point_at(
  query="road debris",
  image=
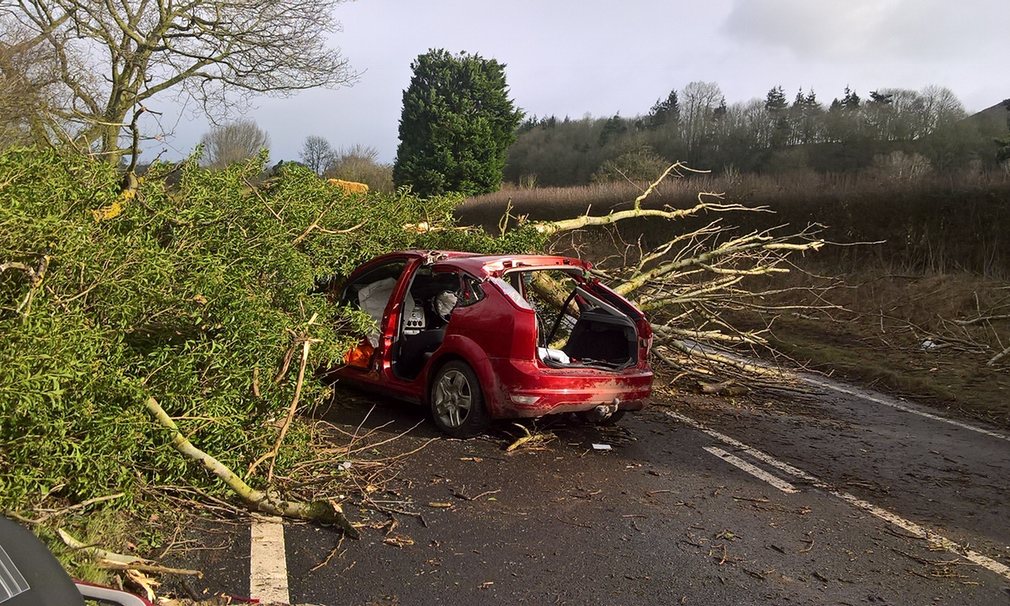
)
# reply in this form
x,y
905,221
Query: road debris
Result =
x,y
398,540
532,441
460,495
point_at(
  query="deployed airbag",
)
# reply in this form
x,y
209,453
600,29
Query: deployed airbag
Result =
x,y
372,300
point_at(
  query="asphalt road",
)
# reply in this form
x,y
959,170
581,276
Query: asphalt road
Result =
x,y
835,499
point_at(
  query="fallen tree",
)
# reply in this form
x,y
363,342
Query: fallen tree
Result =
x,y
183,294
326,512
189,289
693,280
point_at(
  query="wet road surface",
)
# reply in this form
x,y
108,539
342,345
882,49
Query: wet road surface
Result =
x,y
833,499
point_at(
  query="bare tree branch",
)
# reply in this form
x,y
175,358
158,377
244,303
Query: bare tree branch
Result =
x,y
691,283
318,511
212,49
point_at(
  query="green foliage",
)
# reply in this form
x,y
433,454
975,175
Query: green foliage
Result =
x,y
766,135
456,126
775,100
612,129
186,295
666,111
558,152
639,164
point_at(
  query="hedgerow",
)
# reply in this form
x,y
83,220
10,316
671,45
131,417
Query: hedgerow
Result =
x,y
191,293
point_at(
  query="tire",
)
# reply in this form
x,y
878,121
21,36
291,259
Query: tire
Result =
x,y
457,401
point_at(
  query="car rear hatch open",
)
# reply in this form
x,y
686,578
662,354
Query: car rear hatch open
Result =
x,y
580,322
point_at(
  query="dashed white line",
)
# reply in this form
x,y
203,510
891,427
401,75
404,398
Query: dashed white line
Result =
x,y
737,444
903,408
879,512
268,570
752,469
812,380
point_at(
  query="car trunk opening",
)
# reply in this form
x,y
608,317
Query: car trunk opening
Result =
x,y
579,323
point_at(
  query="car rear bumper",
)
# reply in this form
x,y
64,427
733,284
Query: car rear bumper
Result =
x,y
530,390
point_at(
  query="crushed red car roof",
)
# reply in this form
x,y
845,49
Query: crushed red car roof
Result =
x,y
492,265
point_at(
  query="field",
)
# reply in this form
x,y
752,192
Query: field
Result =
x,y
914,261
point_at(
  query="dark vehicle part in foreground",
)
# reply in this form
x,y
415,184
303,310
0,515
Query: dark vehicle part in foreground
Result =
x,y
477,338
31,576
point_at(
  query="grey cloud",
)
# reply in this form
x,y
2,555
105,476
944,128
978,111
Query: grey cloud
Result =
x,y
868,30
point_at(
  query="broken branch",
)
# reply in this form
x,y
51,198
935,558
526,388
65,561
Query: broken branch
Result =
x,y
325,512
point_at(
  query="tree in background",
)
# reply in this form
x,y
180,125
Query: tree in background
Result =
x,y
613,128
778,113
317,154
638,165
113,57
360,163
1003,143
766,135
456,126
27,86
666,111
231,143
940,108
559,152
850,100
698,103
806,118
878,114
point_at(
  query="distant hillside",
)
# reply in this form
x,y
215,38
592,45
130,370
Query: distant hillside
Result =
x,y
994,120
891,131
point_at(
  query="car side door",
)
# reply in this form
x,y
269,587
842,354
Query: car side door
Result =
x,y
377,291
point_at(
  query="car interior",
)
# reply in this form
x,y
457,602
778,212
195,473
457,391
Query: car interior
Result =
x,y
583,330
575,327
427,306
370,293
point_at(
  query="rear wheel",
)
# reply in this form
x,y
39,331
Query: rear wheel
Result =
x,y
457,402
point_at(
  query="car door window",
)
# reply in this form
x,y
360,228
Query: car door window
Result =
x,y
470,291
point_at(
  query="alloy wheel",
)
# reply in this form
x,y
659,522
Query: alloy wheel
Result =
x,y
453,398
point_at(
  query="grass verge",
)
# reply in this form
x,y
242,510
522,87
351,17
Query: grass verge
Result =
x,y
902,335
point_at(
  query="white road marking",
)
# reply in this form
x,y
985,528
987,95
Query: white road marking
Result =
x,y
807,378
268,570
903,408
753,470
879,512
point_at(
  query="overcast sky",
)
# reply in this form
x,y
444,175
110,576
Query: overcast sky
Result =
x,y
573,57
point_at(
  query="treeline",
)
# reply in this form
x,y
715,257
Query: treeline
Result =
x,y
909,131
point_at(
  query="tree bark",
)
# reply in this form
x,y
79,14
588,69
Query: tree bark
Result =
x,y
317,511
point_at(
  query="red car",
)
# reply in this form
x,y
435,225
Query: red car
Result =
x,y
490,337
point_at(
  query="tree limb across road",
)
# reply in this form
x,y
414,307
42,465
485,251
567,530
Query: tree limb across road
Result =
x,y
692,282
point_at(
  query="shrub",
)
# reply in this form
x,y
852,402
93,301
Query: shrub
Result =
x,y
360,164
638,165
